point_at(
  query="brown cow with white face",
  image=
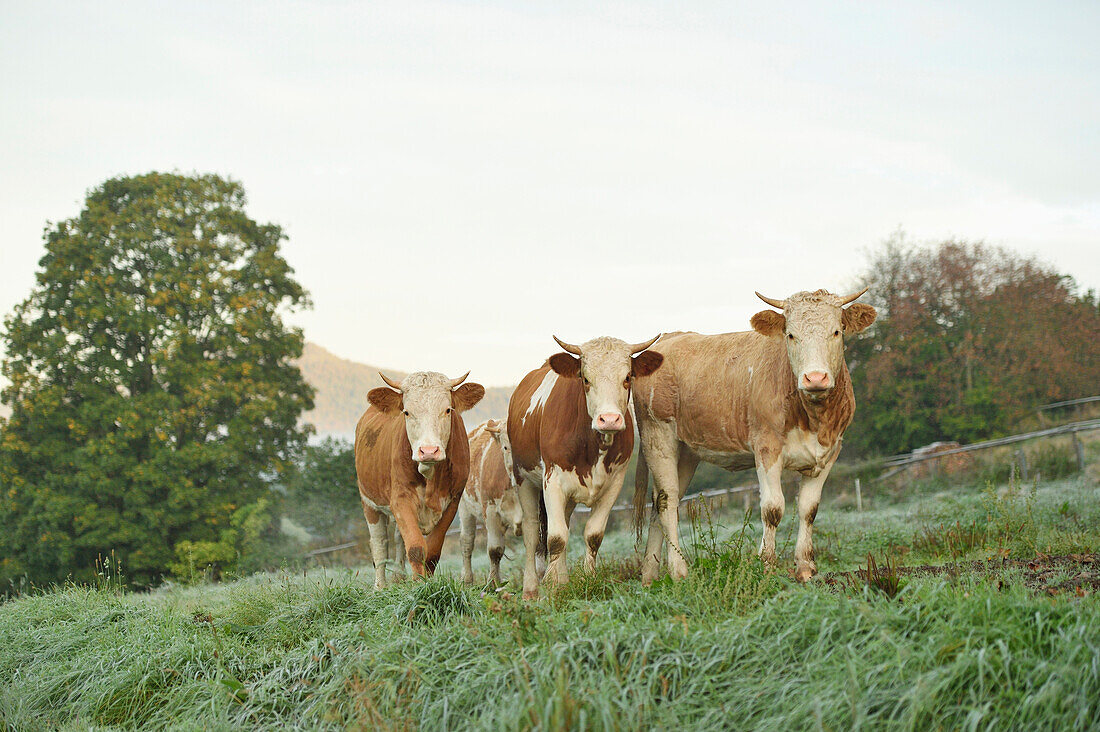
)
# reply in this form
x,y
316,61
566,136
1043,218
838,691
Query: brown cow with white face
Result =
x,y
490,496
412,459
572,435
778,396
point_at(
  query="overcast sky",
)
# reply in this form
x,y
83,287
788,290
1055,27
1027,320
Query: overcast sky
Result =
x,y
460,180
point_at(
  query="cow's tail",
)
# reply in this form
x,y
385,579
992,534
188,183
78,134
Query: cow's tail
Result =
x,y
641,493
540,550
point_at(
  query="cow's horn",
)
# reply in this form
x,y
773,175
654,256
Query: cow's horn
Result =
x,y
847,299
779,304
639,347
568,347
390,382
459,380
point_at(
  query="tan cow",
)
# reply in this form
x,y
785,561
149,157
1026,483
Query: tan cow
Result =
x,y
778,396
572,435
412,459
490,496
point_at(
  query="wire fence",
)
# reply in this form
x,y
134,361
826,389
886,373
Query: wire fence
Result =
x,y
893,464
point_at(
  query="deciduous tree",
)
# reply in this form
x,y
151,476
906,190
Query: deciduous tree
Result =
x,y
152,387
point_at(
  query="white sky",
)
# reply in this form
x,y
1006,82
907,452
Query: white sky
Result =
x,y
461,180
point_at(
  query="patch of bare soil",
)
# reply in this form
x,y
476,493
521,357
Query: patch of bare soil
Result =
x,y
1073,573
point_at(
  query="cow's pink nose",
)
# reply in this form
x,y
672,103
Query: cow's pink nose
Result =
x,y
428,453
815,380
612,422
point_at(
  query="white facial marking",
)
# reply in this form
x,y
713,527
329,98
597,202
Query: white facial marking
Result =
x,y
426,404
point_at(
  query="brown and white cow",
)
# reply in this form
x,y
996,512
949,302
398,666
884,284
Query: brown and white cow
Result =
x,y
412,459
490,496
776,397
572,435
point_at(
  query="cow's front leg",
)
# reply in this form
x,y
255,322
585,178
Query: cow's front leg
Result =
x,y
434,542
377,523
771,501
468,522
662,451
809,496
529,504
404,512
494,540
557,526
597,520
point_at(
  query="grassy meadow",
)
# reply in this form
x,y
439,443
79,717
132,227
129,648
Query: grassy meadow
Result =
x,y
1009,645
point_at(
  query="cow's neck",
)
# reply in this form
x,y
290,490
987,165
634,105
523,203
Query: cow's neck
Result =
x,y
821,414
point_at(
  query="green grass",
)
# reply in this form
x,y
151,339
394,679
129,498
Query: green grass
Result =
x,y
731,647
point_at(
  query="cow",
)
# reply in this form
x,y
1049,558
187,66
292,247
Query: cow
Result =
x,y
776,397
412,459
572,435
490,496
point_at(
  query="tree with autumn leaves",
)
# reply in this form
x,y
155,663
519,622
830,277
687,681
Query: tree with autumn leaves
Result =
x,y
970,339
153,394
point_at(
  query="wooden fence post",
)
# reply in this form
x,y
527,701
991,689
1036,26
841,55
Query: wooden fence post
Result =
x,y
859,496
1021,460
1080,450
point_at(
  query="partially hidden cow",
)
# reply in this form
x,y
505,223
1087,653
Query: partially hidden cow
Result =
x,y
572,435
776,397
490,496
412,459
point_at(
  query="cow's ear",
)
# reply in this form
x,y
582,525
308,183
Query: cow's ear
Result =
x,y
565,365
858,317
645,363
385,399
768,323
466,396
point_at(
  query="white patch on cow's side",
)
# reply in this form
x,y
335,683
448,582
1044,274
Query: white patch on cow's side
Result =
x,y
750,374
802,452
538,399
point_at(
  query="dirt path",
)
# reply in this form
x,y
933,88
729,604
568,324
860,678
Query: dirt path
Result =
x,y
1075,573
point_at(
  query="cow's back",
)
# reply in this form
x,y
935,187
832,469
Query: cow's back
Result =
x,y
719,389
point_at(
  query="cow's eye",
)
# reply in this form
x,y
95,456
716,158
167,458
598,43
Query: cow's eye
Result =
x,y
626,383
449,410
836,332
586,381
790,336
405,412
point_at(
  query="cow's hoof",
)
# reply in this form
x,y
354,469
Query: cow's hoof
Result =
x,y
805,572
530,594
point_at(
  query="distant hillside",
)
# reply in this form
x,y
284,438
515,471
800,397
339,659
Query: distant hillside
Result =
x,y
342,387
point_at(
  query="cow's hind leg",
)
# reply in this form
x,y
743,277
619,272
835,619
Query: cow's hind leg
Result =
x,y
529,502
398,551
378,524
809,496
494,540
771,502
468,522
